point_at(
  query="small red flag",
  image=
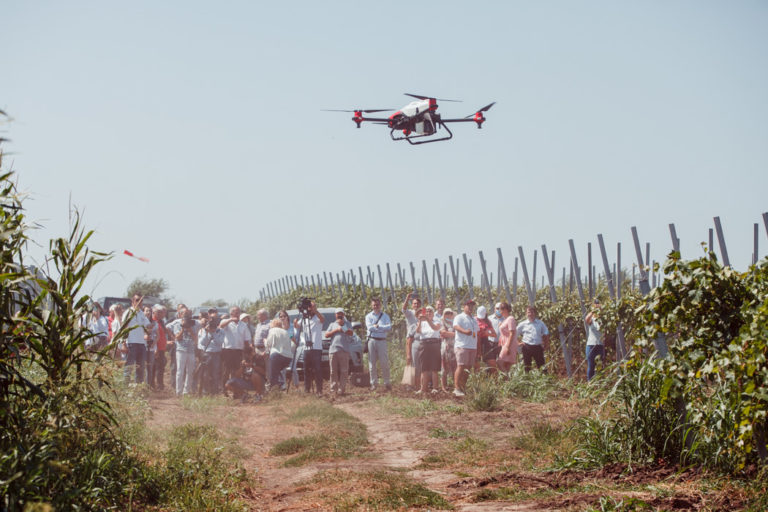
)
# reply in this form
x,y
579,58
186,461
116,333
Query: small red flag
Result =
x,y
140,258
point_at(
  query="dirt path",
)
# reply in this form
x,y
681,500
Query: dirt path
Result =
x,y
401,445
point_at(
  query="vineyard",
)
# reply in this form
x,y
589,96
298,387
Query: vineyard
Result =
x,y
684,394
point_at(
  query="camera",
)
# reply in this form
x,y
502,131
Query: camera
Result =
x,y
305,307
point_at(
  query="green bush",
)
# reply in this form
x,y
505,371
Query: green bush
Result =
x,y
705,402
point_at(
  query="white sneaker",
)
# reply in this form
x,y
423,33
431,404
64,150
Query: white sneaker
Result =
x,y
458,392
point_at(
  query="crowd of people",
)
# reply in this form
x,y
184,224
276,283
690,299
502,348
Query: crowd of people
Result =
x,y
234,355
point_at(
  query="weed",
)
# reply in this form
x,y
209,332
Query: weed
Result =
x,y
441,433
608,504
392,491
482,392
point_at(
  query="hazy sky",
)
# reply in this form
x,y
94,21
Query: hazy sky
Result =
x,y
191,133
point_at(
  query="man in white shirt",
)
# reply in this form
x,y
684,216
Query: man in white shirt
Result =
x,y
137,346
464,345
378,324
237,337
313,348
534,336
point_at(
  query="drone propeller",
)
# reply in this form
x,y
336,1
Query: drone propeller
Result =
x,y
484,109
369,111
420,97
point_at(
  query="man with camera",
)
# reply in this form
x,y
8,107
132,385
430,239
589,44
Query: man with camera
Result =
x,y
237,338
311,328
209,343
378,324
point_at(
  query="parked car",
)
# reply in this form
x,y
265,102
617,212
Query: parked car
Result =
x,y
356,346
106,302
222,311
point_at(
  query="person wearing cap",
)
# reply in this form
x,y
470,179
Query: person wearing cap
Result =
x,y
378,324
340,333
507,338
413,339
534,335
465,346
429,350
448,356
486,339
595,347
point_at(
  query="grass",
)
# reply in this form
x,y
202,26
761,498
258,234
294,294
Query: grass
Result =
x,y
204,404
413,408
379,490
341,436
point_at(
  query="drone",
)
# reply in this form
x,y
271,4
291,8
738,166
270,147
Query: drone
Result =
x,y
418,119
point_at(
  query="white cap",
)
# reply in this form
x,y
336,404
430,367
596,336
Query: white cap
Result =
x,y
339,310
481,312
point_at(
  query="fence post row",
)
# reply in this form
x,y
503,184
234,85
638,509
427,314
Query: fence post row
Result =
x,y
550,271
647,279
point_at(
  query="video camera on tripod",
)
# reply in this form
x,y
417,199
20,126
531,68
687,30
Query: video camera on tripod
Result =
x,y
305,307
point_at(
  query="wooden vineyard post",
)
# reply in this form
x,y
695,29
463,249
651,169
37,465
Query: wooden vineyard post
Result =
x,y
550,271
529,289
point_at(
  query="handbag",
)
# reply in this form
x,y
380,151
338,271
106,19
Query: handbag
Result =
x,y
409,375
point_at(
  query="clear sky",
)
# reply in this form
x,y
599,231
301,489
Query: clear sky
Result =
x,y
191,133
